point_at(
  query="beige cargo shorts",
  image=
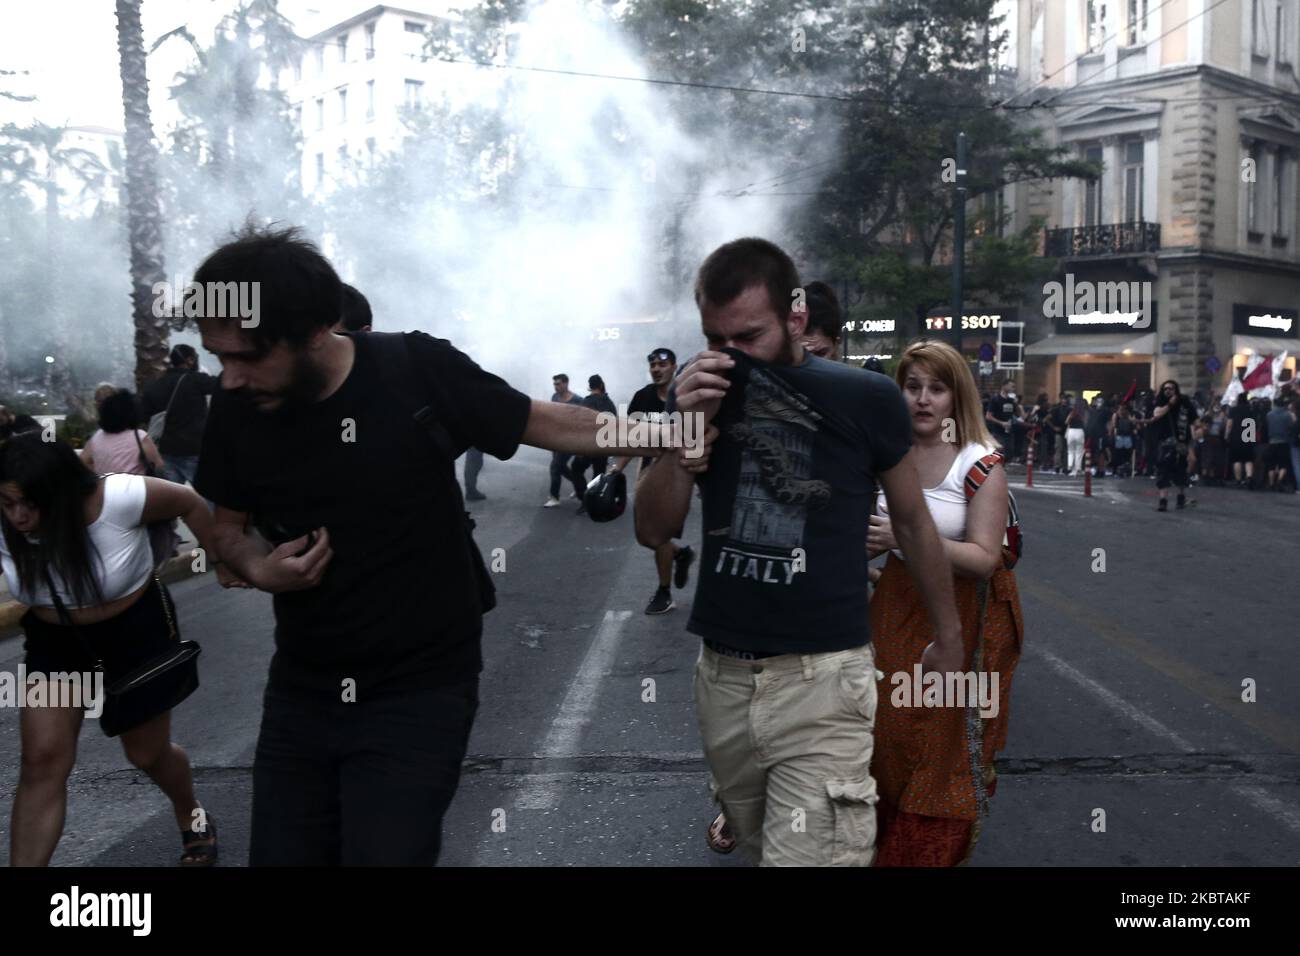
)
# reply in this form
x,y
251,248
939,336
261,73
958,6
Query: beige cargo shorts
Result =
x,y
788,740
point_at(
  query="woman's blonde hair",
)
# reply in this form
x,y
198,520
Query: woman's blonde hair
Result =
x,y
946,364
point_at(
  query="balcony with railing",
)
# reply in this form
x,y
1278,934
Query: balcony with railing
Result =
x,y
1115,239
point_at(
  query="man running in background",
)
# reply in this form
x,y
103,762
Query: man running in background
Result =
x,y
560,460
598,401
669,557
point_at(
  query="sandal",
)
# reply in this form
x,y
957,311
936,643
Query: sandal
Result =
x,y
719,835
200,845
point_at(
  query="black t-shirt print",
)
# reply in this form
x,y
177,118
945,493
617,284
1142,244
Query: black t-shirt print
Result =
x,y
794,467
1002,408
396,607
647,404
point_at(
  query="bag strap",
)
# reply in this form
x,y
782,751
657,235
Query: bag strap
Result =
x,y
148,467
179,382
979,473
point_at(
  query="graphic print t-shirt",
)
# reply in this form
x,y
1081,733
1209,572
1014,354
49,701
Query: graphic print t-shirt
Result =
x,y
647,404
788,491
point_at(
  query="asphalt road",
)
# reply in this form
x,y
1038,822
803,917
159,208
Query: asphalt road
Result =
x,y
1128,699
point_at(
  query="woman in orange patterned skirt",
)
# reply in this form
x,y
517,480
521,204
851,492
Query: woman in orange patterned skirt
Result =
x,y
933,759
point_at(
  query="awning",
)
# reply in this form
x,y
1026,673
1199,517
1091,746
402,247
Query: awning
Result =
x,y
1264,345
1100,344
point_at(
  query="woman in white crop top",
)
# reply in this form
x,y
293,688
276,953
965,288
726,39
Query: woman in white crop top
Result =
x,y
933,758
85,535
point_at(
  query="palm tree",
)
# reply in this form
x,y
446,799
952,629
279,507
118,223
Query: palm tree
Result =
x,y
144,221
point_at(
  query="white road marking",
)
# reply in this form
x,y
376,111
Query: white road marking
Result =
x,y
575,711
1283,812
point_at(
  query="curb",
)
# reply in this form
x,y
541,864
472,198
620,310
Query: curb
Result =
x,y
173,570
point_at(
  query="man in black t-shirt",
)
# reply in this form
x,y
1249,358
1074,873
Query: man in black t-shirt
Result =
x,y
785,685
672,561
1172,422
1001,410
340,451
182,392
598,402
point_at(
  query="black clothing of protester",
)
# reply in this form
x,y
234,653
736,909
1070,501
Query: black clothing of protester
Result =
x,y
794,471
648,404
597,402
373,686
1003,408
20,424
1173,433
188,414
1239,450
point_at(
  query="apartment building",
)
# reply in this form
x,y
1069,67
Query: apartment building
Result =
x,y
1192,108
352,84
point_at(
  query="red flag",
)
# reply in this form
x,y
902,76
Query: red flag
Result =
x,y
1128,396
1261,376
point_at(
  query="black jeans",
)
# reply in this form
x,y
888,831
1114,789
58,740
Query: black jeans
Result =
x,y
578,472
357,784
559,471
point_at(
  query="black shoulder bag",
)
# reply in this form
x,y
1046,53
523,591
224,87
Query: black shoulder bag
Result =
x,y
157,685
404,385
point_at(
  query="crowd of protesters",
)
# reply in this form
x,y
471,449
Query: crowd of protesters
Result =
x,y
1253,443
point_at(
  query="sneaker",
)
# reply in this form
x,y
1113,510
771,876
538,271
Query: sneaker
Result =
x,y
682,561
475,495
661,603
1164,505
552,503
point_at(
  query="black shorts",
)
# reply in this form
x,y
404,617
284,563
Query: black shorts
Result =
x,y
1278,455
123,643
1171,469
1241,451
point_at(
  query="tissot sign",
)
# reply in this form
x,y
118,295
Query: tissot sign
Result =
x,y
1264,320
981,320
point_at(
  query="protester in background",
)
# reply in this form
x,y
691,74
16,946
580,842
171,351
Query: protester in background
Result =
x,y
599,402
356,311
1040,421
559,459
1095,429
1056,421
11,424
1122,434
825,321
1281,425
934,765
1173,421
102,391
182,394
1001,411
1241,453
1074,435
84,537
1214,463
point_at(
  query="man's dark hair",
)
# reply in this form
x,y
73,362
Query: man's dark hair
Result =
x,y
561,377
356,310
119,413
182,354
743,263
596,381
299,291
824,313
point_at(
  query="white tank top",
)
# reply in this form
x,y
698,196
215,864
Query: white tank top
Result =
x,y
947,500
119,548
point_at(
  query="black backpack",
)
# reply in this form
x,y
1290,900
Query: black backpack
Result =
x,y
413,394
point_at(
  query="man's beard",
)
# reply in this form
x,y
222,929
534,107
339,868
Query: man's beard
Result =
x,y
785,354
306,384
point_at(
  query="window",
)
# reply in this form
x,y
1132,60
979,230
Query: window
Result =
x,y
370,99
1137,22
343,104
414,93
1258,29
320,169
320,59
1283,36
343,48
410,26
1092,199
1133,181
1279,193
1096,26
320,112
343,157
370,40
1252,189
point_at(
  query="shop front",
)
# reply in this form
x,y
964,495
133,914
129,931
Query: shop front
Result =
x,y
881,339
1096,352
1267,331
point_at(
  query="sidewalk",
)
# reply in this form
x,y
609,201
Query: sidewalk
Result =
x,y
178,567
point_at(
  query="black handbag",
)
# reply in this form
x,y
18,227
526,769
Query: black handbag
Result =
x,y
155,686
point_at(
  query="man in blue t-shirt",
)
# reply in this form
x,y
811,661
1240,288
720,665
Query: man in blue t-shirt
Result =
x,y
785,685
